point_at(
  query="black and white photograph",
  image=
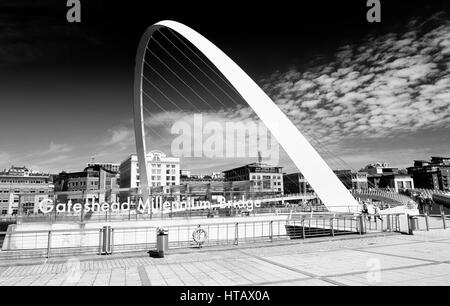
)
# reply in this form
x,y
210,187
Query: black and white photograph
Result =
x,y
222,149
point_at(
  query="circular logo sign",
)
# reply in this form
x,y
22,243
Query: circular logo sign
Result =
x,y
199,236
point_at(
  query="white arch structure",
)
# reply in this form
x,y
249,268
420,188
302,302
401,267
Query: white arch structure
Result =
x,y
321,178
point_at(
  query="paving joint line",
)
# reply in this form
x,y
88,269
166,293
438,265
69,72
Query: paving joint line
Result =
x,y
143,276
382,270
400,256
281,281
311,275
193,275
238,272
412,239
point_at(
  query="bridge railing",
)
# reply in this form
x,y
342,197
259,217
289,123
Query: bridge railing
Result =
x,y
51,243
383,193
427,220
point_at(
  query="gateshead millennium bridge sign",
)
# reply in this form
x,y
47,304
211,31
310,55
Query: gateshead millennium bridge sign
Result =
x,y
48,206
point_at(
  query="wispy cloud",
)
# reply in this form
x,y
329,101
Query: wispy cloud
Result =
x,y
121,136
379,88
52,150
56,148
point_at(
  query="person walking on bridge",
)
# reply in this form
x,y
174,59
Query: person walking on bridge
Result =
x,y
376,213
365,211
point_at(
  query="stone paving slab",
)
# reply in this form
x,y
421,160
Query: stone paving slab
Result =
x,y
422,259
430,275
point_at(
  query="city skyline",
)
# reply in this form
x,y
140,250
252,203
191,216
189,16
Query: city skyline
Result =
x,y
357,92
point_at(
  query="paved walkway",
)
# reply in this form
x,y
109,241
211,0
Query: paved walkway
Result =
x,y
422,259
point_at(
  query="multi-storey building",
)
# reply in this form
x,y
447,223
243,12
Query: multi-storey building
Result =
x,y
23,189
217,176
93,181
379,168
265,178
397,182
185,173
381,175
351,179
112,167
164,171
434,174
296,183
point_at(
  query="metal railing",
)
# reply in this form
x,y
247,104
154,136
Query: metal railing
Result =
x,y
427,222
383,194
106,240
132,215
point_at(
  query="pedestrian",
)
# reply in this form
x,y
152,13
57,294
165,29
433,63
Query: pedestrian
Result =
x,y
376,213
365,210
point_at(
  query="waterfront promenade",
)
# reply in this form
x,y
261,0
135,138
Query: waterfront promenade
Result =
x,y
392,259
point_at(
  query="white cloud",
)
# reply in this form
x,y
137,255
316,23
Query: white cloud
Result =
x,y
57,148
379,88
119,136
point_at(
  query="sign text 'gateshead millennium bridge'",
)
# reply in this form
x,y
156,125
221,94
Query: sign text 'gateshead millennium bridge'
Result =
x,y
48,206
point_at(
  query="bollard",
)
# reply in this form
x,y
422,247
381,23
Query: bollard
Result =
x,y
100,236
409,223
443,216
162,242
236,234
112,240
271,231
303,229
105,241
332,227
49,243
427,224
362,229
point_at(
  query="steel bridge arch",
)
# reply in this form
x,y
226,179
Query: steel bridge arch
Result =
x,y
322,179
